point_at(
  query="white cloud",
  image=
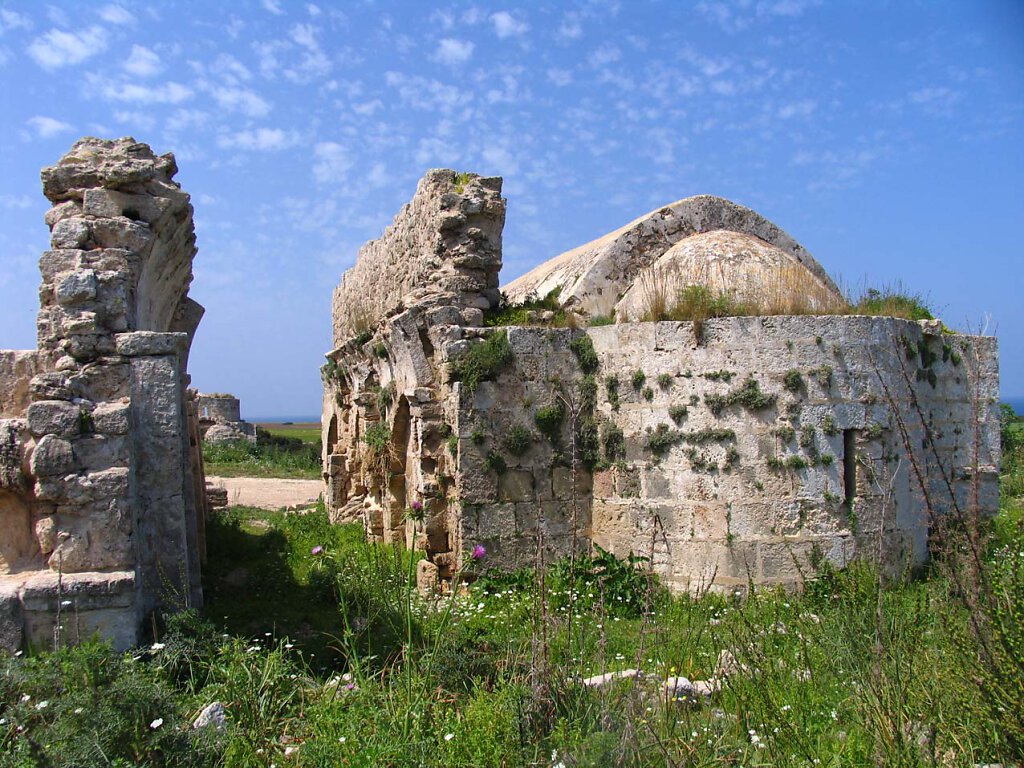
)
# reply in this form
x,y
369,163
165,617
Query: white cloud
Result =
x,y
259,140
314,62
115,14
313,10
560,77
164,93
183,119
368,108
570,28
136,120
935,100
507,25
241,100
331,162
432,95
13,20
15,201
801,108
142,62
58,48
47,127
606,54
454,52
272,6
737,15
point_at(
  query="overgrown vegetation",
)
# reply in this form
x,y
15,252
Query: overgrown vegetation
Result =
x,y
322,654
546,311
483,361
272,455
748,394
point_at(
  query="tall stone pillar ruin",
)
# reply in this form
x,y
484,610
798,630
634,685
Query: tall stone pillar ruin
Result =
x,y
99,523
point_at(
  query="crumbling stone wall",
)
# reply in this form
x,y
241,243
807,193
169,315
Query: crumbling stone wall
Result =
x,y
734,451
102,509
220,419
413,298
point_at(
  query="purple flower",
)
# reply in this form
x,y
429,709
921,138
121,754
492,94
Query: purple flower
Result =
x,y
316,550
417,506
479,551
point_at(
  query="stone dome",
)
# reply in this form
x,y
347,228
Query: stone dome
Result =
x,y
743,266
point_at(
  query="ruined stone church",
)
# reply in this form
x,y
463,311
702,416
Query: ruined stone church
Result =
x,y
562,412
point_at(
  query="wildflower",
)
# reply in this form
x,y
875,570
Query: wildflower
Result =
x,y
449,736
316,550
42,705
157,646
156,723
65,603
479,552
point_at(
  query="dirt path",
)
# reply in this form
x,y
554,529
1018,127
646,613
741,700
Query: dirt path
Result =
x,y
268,492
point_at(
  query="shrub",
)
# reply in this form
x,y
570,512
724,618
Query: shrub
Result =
x,y
378,437
792,380
588,393
518,440
495,462
891,301
599,320
661,439
549,421
614,441
611,385
748,394
665,380
639,377
483,361
648,394
583,347
678,413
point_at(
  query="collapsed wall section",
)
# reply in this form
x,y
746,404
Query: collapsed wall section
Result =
x,y
414,299
105,526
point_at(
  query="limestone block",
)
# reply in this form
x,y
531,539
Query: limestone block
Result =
x,y
46,534
150,343
561,483
77,287
107,203
496,521
51,385
61,211
100,451
52,456
112,418
70,233
54,417
54,262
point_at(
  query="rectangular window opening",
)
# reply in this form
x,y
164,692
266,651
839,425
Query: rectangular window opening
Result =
x,y
849,465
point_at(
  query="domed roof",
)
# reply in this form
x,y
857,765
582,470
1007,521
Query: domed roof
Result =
x,y
746,268
592,278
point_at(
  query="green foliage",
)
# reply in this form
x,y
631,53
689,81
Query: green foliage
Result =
x,y
381,350
698,303
588,393
362,337
722,375
665,380
527,311
611,386
583,347
623,586
648,394
382,397
785,433
478,436
453,445
662,438
748,394
639,377
549,420
378,437
483,361
518,440
614,441
829,426
892,301
599,320
806,436
462,178
495,462
793,380
268,457
823,375
588,442
678,413
797,462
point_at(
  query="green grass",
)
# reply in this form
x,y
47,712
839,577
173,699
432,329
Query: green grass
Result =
x,y
306,432
285,451
323,656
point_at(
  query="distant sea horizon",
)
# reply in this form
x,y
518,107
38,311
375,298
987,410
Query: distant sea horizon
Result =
x,y
1017,403
294,419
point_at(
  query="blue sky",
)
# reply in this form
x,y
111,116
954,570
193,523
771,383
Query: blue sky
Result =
x,y
885,137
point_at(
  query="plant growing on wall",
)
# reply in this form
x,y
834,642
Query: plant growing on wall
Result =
x,y
518,440
748,394
483,361
583,347
549,421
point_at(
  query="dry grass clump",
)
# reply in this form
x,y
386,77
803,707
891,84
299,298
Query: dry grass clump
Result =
x,y
787,289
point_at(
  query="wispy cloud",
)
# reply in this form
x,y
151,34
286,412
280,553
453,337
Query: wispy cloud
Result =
x,y
116,90
559,77
331,162
259,140
802,108
10,20
453,52
115,14
272,6
142,62
47,127
507,25
58,48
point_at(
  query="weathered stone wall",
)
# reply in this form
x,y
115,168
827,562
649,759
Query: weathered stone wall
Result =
x,y
17,367
444,247
219,408
105,500
734,451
